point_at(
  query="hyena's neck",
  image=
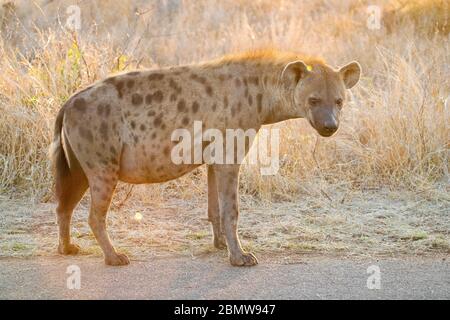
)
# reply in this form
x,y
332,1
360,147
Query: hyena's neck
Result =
x,y
256,84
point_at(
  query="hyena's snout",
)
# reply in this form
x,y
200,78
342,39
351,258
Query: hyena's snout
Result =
x,y
325,121
329,127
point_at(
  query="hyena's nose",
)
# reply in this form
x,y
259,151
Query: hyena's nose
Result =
x,y
330,126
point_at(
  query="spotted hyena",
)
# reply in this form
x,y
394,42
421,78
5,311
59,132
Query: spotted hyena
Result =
x,y
119,129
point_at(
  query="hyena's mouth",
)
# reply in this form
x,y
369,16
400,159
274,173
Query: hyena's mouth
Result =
x,y
323,132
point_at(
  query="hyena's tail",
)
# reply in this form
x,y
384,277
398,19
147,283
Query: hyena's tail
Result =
x,y
57,155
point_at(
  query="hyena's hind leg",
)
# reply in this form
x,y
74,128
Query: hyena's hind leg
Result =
x,y
213,210
71,184
102,187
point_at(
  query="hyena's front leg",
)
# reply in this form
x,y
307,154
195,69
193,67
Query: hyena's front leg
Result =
x,y
213,210
227,178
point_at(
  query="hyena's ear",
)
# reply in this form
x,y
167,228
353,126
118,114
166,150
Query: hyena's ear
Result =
x,y
293,72
351,74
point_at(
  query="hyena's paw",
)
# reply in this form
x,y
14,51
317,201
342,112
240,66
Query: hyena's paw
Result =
x,y
220,242
119,259
246,259
69,249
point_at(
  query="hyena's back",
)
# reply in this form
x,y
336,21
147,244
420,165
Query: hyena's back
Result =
x,y
121,128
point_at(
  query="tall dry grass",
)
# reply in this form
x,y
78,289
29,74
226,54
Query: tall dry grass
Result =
x,y
396,128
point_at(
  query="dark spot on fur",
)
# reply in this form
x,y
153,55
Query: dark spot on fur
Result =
x,y
80,105
148,99
104,131
142,127
114,161
130,84
155,76
158,120
100,110
185,121
203,81
119,87
107,110
195,107
181,105
225,102
86,134
136,99
259,97
158,96
254,80
153,135
250,100
198,78
166,151
133,124
214,107
209,90
113,150
90,166
237,82
174,85
151,113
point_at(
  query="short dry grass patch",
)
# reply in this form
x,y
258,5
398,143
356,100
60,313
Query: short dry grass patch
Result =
x,y
375,223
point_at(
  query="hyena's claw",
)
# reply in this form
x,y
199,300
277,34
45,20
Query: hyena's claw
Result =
x,y
246,259
69,249
119,259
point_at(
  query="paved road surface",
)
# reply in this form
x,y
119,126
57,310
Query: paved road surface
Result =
x,y
213,278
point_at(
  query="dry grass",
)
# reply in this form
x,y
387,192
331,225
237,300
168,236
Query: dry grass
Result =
x,y
370,223
396,129
427,16
395,135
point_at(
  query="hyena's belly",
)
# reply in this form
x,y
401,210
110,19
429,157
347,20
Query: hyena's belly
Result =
x,y
144,163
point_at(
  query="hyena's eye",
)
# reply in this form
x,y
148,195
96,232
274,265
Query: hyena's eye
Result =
x,y
339,102
313,102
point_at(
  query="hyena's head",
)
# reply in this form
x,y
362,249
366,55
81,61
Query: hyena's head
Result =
x,y
320,92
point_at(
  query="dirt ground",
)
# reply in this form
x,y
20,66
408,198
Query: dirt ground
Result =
x,y
362,224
